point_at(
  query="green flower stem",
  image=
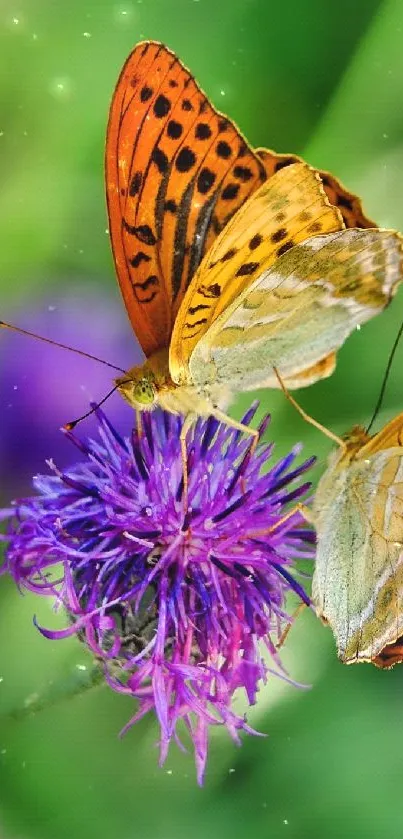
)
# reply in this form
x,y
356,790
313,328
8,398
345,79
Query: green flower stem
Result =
x,y
77,683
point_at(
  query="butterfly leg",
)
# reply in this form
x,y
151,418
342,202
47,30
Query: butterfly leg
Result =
x,y
284,634
307,417
187,423
139,425
239,426
305,511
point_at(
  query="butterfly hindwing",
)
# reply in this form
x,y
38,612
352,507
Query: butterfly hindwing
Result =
x,y
349,204
301,309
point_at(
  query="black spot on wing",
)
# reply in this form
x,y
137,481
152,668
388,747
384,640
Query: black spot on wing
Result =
x,y
196,323
170,206
247,268
284,248
135,184
152,280
279,235
142,232
201,306
140,289
160,159
223,150
243,173
202,131
185,160
205,180
228,255
174,129
282,163
213,290
343,201
146,93
162,106
139,258
315,227
255,241
230,192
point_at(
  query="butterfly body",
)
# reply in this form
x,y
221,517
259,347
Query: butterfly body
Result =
x,y
150,385
358,579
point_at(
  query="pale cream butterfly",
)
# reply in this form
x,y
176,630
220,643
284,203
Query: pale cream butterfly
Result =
x,y
357,512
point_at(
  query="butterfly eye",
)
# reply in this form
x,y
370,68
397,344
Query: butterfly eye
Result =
x,y
138,390
144,392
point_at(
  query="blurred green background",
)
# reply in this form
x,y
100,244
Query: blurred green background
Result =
x,y
320,79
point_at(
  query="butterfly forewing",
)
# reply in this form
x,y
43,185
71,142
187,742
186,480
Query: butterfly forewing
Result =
x,y
176,171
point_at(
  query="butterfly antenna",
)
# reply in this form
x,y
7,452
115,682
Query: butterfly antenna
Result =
x,y
385,378
307,417
4,325
70,425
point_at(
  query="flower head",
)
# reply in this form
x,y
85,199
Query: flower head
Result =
x,y
172,601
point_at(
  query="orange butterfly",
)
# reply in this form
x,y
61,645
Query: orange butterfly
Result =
x,y
230,261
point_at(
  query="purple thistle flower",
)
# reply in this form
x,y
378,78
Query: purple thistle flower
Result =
x,y
173,603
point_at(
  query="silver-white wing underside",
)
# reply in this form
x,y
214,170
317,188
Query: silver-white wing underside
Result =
x,y
358,579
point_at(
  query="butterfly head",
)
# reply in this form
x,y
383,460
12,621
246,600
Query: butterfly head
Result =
x,y
138,388
355,440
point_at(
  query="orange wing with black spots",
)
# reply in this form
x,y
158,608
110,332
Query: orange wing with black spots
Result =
x,y
345,201
176,171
